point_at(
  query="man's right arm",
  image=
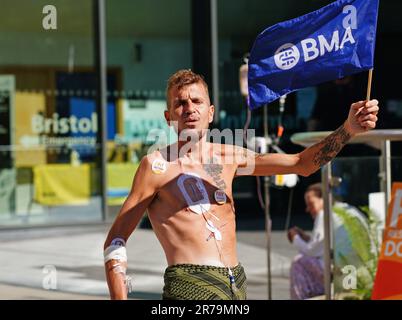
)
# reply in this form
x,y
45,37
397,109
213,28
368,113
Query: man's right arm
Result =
x,y
141,194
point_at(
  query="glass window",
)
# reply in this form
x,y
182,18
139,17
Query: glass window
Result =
x,y
49,127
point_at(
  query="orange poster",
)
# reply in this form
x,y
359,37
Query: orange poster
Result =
x,y
388,281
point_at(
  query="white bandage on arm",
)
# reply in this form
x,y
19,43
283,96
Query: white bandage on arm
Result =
x,y
117,252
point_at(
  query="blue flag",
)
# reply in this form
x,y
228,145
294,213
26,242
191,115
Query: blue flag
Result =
x,y
330,43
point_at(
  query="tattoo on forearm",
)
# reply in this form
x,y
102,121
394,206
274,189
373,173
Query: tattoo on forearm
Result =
x,y
330,146
214,170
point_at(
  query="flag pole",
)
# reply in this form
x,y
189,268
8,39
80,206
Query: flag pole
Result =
x,y
370,79
268,222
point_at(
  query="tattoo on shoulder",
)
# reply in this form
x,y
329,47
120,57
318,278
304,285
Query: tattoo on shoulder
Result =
x,y
330,146
214,170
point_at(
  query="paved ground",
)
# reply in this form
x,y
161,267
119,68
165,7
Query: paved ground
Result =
x,y
13,292
70,260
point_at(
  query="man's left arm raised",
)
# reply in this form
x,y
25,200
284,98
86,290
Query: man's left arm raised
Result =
x,y
362,117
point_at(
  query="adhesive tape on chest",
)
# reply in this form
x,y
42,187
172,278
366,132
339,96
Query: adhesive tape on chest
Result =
x,y
194,192
210,226
158,166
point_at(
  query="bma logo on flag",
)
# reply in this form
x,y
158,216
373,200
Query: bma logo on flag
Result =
x,y
287,56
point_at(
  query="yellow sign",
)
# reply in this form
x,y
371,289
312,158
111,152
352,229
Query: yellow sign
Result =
x,y
30,152
119,180
62,184
58,184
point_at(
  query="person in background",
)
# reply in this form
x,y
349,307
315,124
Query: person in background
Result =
x,y
307,268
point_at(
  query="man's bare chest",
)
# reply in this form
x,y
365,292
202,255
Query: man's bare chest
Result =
x,y
195,186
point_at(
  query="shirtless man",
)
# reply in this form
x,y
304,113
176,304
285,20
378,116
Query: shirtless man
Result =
x,y
186,189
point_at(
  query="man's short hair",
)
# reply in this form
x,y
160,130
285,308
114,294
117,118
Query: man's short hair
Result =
x,y
316,188
183,78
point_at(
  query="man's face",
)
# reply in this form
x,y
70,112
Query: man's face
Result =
x,y
314,204
190,107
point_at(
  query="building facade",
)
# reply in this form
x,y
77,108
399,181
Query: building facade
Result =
x,y
82,93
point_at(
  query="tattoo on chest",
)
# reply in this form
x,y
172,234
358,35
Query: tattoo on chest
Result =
x,y
214,170
330,146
